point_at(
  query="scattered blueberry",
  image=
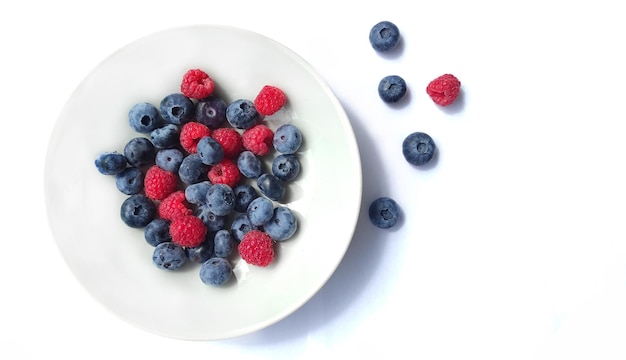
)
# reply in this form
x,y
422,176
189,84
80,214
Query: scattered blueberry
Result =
x,y
384,212
286,167
282,225
177,109
223,244
130,181
137,211
260,211
169,256
192,170
418,148
157,231
139,152
244,194
249,164
196,193
169,159
287,139
144,117
210,151
211,221
211,112
242,114
166,136
392,88
271,186
111,163
220,199
216,271
240,226
201,253
384,36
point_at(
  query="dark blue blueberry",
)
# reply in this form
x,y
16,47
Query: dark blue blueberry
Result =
x,y
418,148
144,117
384,212
169,256
244,194
139,152
223,244
286,167
282,225
392,88
111,163
137,211
130,181
177,109
384,36
240,226
249,164
157,231
169,159
260,211
211,112
210,151
203,252
211,221
196,193
192,170
242,114
165,137
220,199
271,186
216,271
287,139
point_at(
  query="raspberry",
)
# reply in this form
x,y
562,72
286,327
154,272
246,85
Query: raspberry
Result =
x,y
226,172
256,248
230,140
187,231
158,183
197,84
444,89
174,206
269,100
191,133
258,139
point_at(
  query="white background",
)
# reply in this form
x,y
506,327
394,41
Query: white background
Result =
x,y
513,242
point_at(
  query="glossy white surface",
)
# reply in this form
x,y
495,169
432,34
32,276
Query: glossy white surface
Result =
x,y
512,245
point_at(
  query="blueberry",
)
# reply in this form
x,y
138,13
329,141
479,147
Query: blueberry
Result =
x,y
223,244
201,253
216,271
220,199
249,164
287,139
157,231
244,194
139,152
210,151
192,170
166,136
286,167
137,211
240,226
271,186
418,148
130,181
111,163
169,159
177,109
282,225
196,193
260,211
169,256
211,112
211,221
144,117
384,212
242,114
392,88
384,36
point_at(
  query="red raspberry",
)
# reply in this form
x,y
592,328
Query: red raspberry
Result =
x,y
174,206
158,183
256,248
190,135
230,140
444,89
258,139
197,84
269,100
188,231
226,172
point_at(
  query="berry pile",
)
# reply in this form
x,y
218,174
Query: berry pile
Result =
x,y
205,179
418,148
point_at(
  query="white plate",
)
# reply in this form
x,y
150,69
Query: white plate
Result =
x,y
113,261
